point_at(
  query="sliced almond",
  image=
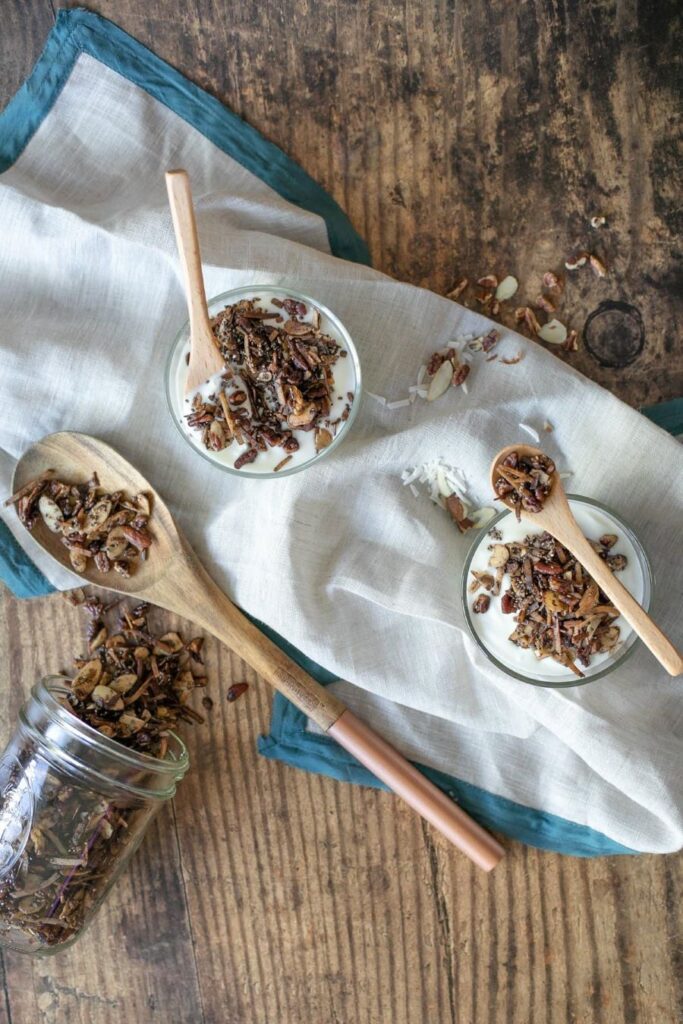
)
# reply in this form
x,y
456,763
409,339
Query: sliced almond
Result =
x,y
323,438
78,560
499,556
507,288
86,679
441,381
107,699
553,332
97,515
123,683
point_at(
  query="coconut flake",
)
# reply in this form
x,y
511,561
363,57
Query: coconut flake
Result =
x,y
553,332
400,404
414,490
422,374
507,288
378,398
531,432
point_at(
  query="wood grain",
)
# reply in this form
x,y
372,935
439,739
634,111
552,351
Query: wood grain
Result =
x,y
464,139
267,894
461,139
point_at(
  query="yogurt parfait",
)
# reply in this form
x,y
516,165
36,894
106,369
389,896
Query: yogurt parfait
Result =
x,y
289,389
535,611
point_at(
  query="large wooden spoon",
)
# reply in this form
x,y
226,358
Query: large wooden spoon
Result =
x,y
173,578
205,359
556,517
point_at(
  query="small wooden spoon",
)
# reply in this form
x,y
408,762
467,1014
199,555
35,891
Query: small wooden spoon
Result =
x,y
173,578
205,359
556,517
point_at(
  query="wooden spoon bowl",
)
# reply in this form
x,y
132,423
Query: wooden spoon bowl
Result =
x,y
75,457
557,519
173,578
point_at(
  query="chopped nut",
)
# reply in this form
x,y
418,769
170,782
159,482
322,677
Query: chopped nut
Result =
x,y
598,222
460,374
597,266
278,378
571,343
577,261
457,291
552,281
524,481
481,604
544,303
458,513
526,315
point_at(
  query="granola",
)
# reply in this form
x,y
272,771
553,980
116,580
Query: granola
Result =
x,y
524,481
278,381
134,684
559,610
111,528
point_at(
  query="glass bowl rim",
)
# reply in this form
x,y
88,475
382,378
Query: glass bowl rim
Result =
x,y
349,343
629,645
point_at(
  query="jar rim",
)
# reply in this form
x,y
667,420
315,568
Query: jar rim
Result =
x,y
173,765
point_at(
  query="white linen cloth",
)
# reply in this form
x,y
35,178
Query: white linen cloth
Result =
x,y
341,559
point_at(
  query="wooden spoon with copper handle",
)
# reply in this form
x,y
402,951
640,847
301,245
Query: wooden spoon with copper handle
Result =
x,y
173,578
556,517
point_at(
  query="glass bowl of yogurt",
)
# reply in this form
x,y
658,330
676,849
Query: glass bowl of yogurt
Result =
x,y
492,628
303,447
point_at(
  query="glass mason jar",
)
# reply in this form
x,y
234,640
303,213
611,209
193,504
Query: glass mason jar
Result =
x,y
74,805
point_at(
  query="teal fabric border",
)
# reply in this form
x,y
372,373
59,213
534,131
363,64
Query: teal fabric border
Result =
x,y
289,742
79,31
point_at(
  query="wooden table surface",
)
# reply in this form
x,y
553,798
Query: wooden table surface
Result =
x,y
461,139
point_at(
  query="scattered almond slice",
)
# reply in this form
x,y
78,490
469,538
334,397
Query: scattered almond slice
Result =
x,y
507,288
553,332
441,381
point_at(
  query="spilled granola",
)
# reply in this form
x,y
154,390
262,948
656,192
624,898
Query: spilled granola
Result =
x,y
134,684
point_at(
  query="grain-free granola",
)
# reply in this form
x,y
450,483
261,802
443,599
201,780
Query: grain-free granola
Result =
x,y
524,481
559,610
109,528
278,379
134,684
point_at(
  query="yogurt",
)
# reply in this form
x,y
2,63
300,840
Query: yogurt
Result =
x,y
346,374
493,628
